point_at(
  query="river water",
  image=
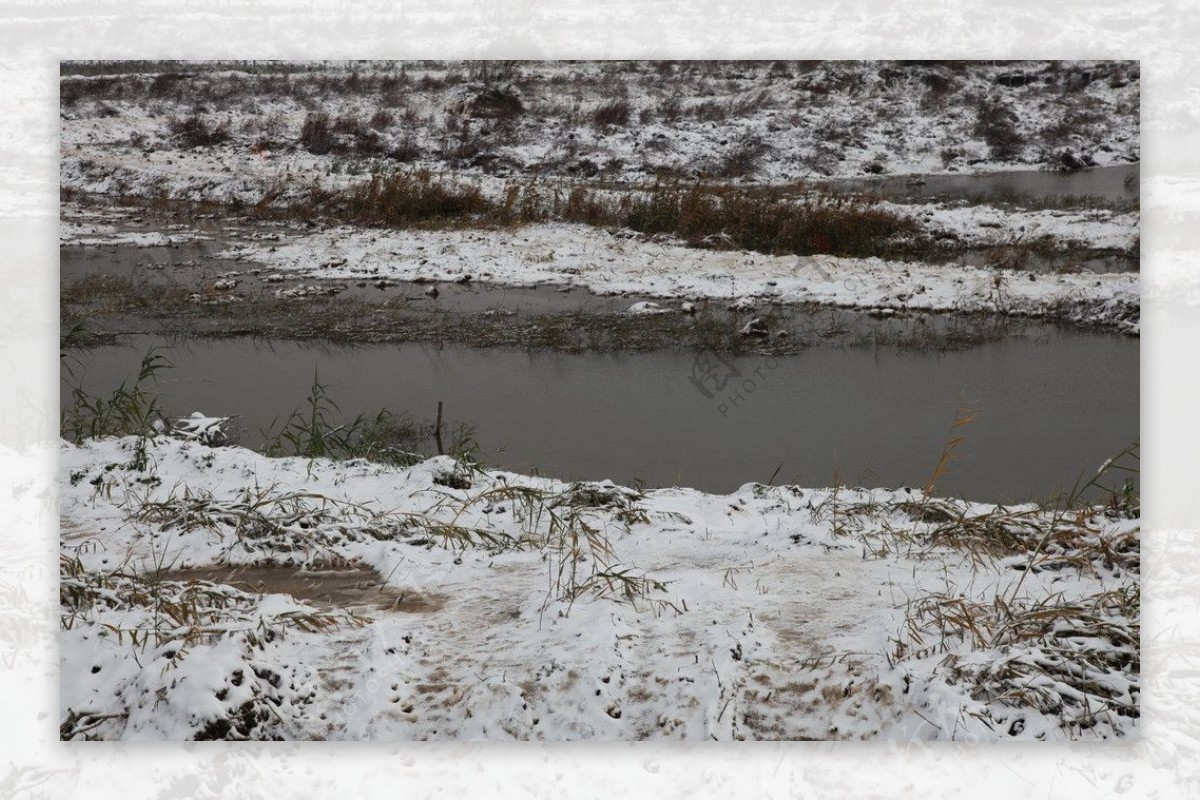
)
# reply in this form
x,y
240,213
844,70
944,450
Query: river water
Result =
x,y
1108,183
1047,408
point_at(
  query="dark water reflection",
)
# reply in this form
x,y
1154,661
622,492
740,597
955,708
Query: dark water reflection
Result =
x,y
1047,411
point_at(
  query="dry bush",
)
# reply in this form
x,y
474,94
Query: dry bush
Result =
x,y
613,114
996,124
316,135
764,223
344,135
494,103
743,158
381,119
939,87
670,109
193,131
404,198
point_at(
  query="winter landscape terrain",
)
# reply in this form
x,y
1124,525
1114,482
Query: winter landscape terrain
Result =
x,y
600,400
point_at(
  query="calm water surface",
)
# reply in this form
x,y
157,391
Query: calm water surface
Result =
x,y
1046,411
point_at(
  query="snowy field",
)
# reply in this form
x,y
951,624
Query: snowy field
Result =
x,y
470,152
185,124
507,607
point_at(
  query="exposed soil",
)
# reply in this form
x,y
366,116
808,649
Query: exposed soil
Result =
x,y
357,587
178,289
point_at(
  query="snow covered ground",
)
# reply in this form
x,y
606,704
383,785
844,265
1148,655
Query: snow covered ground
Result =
x,y
771,122
78,234
275,136
979,225
608,263
524,608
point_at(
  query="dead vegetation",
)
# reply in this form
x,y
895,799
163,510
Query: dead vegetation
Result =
x,y
1026,644
472,114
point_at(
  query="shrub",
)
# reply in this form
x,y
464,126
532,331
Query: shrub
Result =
x,y
938,88
494,103
614,113
750,220
193,131
405,198
381,119
316,135
743,158
996,124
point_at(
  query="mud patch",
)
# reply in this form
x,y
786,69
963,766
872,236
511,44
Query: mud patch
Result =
x,y
357,587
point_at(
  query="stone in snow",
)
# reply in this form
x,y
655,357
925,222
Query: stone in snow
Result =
x,y
647,307
756,328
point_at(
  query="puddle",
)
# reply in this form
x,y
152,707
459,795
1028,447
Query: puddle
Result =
x,y
188,264
357,587
192,266
1051,406
1120,183
1048,263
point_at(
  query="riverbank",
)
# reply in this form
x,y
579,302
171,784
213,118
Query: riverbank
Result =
x,y
344,283
499,606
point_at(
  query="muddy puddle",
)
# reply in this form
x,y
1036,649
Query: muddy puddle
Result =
x,y
1033,187
1048,409
1047,263
194,267
357,587
546,317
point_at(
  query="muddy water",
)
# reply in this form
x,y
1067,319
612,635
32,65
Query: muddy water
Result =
x,y
1111,183
1048,263
1048,408
192,266
356,587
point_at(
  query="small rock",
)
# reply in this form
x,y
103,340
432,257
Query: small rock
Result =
x,y
756,328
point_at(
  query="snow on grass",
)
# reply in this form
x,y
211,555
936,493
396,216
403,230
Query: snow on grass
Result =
x,y
984,225
766,122
580,611
577,255
78,234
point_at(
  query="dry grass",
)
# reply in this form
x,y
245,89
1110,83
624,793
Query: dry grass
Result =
x,y
964,418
